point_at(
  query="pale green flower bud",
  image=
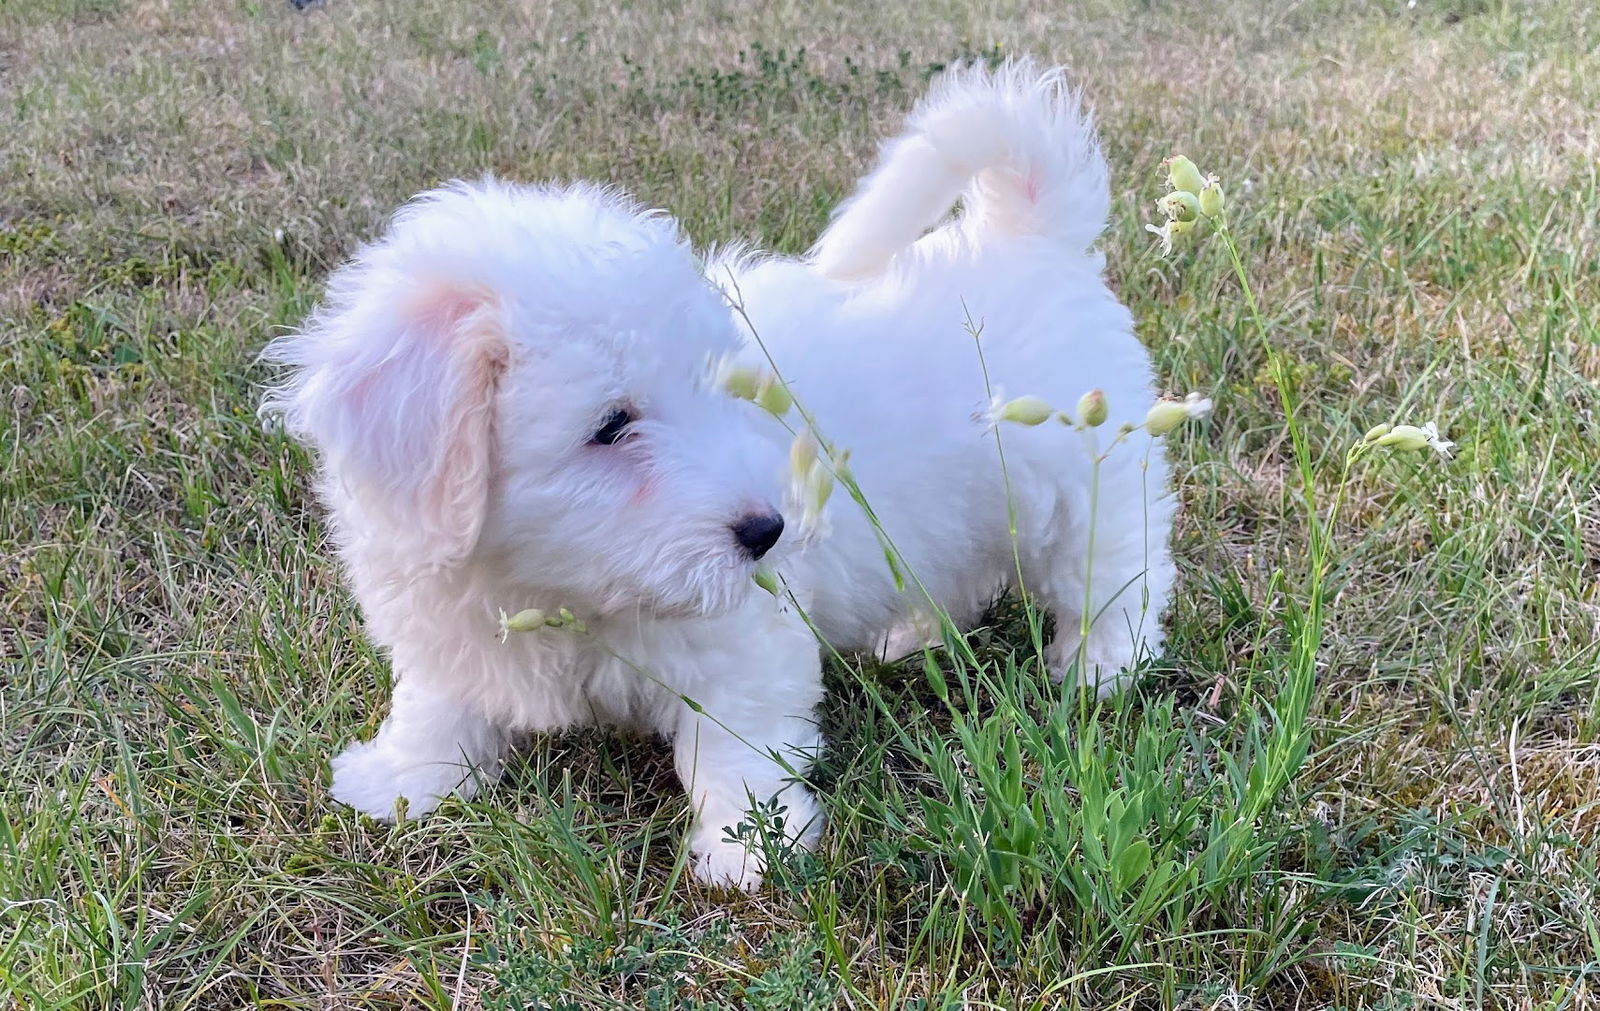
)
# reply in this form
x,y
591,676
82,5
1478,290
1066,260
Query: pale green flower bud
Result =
x,y
841,467
1179,206
766,579
1164,416
774,397
1183,175
1406,437
1376,432
1211,200
802,454
741,381
1093,409
819,486
524,621
1026,411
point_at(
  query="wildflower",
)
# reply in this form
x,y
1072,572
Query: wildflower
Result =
x,y
1183,175
841,466
1411,438
819,487
766,579
1376,432
802,454
532,619
1211,199
1093,409
811,492
1196,406
741,381
773,396
523,621
1164,415
1028,411
813,465
1168,413
1179,206
1437,442
1169,231
1407,437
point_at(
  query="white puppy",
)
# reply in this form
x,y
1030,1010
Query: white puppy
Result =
x,y
508,395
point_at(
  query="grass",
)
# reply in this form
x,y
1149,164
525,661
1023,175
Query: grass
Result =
x,y
1414,190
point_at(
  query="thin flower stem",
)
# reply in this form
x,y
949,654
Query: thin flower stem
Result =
x,y
1035,631
1087,617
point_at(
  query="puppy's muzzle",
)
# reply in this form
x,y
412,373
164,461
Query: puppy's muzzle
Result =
x,y
757,533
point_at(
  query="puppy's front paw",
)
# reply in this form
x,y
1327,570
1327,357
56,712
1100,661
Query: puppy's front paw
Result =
x,y
1105,664
910,635
740,862
724,863
371,778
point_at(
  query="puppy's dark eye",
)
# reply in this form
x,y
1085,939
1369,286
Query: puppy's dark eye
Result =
x,y
614,428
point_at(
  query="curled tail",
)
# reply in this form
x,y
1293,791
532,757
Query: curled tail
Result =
x,y
1014,144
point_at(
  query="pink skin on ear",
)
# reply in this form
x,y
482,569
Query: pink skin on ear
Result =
x,y
413,428
469,331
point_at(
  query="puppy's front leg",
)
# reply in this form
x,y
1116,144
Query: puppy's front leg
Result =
x,y
754,732
431,745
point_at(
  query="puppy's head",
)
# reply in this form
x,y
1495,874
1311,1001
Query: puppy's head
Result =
x,y
517,377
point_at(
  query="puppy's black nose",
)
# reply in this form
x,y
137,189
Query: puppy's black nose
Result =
x,y
759,532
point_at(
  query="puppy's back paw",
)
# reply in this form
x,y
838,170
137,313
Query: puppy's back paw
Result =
x,y
372,779
908,637
1106,665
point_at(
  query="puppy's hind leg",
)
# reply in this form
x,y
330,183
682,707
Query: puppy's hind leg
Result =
x,y
1122,592
911,634
432,745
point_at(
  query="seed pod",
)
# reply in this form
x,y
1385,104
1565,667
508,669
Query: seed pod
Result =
x,y
1026,411
1404,437
1179,206
1183,175
1211,200
1376,432
526,620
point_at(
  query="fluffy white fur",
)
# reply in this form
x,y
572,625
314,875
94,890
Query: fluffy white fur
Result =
x,y
454,380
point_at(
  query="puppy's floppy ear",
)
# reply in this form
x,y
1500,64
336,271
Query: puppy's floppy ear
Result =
x,y
394,382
